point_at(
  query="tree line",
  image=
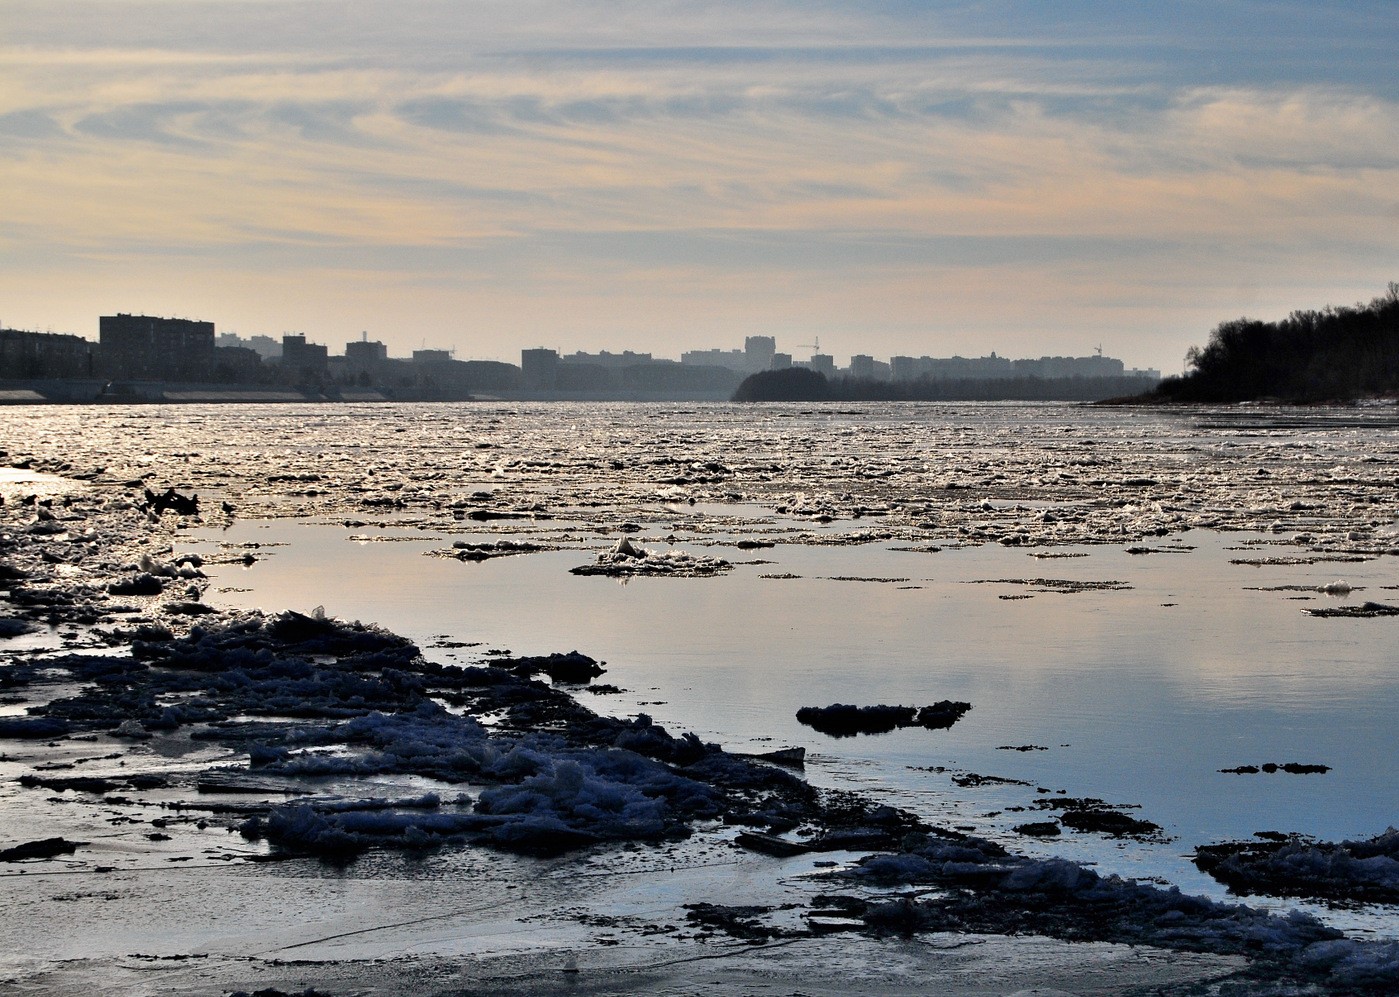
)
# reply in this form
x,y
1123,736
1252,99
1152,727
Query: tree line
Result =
x,y
1335,354
801,384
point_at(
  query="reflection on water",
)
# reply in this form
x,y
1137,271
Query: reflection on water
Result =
x,y
1137,693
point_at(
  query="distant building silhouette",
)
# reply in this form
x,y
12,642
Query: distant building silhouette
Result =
x,y
491,376
265,346
729,359
539,369
757,355
366,362
302,361
758,351
143,347
366,354
237,363
605,359
45,355
868,368
993,367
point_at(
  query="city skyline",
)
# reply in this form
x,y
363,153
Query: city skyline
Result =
x,y
272,347
146,358
893,179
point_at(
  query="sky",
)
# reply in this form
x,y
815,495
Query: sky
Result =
x,y
881,178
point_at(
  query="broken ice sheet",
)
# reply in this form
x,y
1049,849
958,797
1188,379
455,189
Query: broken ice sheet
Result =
x,y
1122,481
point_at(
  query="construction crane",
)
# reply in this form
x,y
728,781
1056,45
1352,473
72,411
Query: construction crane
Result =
x,y
815,347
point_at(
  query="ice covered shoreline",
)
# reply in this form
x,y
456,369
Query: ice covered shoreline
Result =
x,y
369,719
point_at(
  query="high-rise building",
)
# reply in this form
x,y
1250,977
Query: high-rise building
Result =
x,y
365,353
44,355
539,369
759,351
303,361
149,348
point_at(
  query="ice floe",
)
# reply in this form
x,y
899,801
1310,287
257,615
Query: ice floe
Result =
x,y
1296,865
847,720
626,560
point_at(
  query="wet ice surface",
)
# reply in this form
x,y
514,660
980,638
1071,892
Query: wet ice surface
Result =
x,y
1137,695
1120,593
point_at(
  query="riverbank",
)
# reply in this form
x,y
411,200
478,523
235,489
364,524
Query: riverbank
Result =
x,y
103,392
100,392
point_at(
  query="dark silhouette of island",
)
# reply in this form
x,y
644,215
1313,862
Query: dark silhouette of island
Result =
x,y
795,384
1335,354
799,384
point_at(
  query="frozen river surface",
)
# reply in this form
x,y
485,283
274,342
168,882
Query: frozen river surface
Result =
x,y
1153,609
